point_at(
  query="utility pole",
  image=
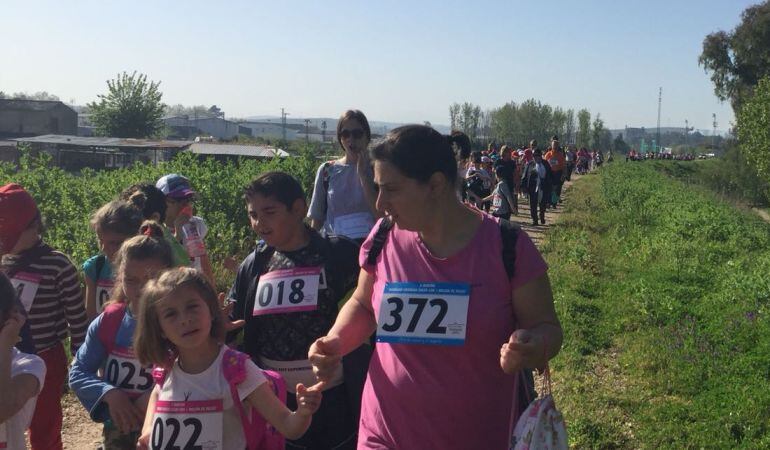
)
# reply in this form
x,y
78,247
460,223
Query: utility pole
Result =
x,y
714,133
323,131
307,130
283,123
657,135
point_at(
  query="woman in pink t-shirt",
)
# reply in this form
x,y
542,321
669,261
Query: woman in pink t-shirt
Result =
x,y
452,327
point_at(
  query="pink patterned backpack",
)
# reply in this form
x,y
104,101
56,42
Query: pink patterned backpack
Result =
x,y
541,426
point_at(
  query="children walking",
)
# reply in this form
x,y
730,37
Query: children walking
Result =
x,y
113,223
21,375
181,328
118,395
503,200
50,292
288,292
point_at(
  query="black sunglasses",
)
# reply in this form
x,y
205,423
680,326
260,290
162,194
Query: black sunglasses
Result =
x,y
357,133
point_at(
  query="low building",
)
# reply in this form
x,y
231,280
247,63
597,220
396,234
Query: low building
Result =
x,y
232,152
22,118
74,153
186,127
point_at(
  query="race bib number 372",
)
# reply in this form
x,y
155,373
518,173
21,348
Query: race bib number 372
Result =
x,y
424,313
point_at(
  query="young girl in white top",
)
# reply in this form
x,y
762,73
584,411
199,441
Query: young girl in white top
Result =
x,y
181,328
21,375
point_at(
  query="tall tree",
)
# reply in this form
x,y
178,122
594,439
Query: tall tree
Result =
x,y
596,133
619,145
754,129
738,59
583,138
131,108
569,131
454,116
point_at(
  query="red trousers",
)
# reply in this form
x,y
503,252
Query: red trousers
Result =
x,y
45,429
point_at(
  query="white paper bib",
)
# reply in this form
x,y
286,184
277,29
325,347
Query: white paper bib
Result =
x,y
123,371
424,313
3,437
287,291
187,425
26,285
354,226
103,290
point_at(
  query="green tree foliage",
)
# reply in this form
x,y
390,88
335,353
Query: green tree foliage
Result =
x,y
517,124
738,59
583,138
466,118
131,108
754,129
619,146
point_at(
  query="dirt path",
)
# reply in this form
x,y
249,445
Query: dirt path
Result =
x,y
537,233
762,213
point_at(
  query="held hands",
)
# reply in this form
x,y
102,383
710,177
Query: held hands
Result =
x,y
9,333
309,399
325,355
523,350
125,415
184,216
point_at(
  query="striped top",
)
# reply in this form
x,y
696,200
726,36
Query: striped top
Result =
x,y
58,305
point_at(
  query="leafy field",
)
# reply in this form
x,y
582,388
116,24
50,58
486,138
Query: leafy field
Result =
x,y
664,296
67,200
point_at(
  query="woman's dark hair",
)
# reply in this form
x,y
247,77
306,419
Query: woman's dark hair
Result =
x,y
463,144
147,198
278,185
418,151
476,157
354,114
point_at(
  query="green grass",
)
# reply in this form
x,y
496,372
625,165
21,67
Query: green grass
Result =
x,y
664,294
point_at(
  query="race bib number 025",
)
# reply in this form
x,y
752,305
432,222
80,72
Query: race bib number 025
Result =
x,y
187,425
287,291
123,371
424,313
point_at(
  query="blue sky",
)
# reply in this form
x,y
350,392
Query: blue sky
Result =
x,y
399,61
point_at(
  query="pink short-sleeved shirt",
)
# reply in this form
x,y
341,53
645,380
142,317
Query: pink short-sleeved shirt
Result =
x,y
446,397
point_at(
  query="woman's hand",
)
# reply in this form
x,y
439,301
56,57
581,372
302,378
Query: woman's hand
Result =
x,y
325,355
524,349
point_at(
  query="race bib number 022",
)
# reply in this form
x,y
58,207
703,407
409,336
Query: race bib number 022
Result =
x,y
424,313
287,291
187,425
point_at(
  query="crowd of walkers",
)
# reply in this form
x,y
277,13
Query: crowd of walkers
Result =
x,y
398,309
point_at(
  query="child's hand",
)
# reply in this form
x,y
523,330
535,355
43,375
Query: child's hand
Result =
x,y
309,399
143,443
9,333
141,402
227,307
522,350
125,415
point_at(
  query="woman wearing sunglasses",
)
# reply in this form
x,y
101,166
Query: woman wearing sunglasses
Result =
x,y
343,194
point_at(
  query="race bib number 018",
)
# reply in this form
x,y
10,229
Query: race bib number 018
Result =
x,y
287,291
187,425
26,285
424,313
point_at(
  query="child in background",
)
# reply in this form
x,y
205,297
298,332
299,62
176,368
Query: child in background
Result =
x,y
188,229
21,375
118,397
113,223
181,317
503,201
300,278
152,202
49,290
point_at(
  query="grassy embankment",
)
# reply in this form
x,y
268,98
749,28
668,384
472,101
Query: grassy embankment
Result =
x,y
664,297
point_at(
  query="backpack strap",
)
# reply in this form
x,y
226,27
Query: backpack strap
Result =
x,y
110,324
100,261
509,231
378,241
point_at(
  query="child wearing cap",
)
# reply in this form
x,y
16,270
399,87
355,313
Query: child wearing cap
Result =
x,y
49,289
188,229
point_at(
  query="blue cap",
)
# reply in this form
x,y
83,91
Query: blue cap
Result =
x,y
175,186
